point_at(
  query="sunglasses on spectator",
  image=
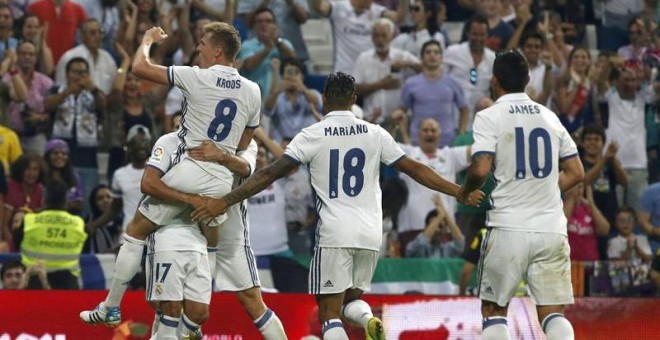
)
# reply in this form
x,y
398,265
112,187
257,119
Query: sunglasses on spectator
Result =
x,y
415,8
473,76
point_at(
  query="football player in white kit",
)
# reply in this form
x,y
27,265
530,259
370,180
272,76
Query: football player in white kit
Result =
x,y
526,238
220,106
344,155
178,280
236,267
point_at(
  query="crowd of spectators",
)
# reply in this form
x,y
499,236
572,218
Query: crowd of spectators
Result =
x,y
71,111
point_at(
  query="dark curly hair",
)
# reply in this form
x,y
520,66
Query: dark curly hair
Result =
x,y
339,90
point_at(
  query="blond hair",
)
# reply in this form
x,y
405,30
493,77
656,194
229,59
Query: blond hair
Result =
x,y
225,36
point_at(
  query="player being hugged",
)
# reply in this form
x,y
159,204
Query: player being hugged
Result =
x,y
220,106
343,154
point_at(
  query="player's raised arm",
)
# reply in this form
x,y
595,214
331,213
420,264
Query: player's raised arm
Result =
x,y
142,66
256,183
427,177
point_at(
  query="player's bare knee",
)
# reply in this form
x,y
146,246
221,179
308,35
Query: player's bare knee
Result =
x,y
252,302
352,295
196,312
212,235
489,309
543,311
171,308
199,316
329,306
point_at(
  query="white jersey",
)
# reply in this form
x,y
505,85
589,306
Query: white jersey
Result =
x,y
178,236
344,155
219,104
528,142
163,152
236,229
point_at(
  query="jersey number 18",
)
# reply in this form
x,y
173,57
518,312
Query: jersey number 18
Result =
x,y
353,166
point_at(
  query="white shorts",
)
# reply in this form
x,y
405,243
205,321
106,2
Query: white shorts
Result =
x,y
334,270
236,268
541,259
188,177
178,276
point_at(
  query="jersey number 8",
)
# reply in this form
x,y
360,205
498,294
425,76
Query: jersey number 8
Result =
x,y
351,171
222,118
521,163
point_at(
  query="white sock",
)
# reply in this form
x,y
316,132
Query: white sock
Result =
x,y
186,326
557,327
212,253
270,326
126,266
167,328
333,329
357,312
154,326
495,328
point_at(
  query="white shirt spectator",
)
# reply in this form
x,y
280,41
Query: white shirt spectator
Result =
x,y
174,101
102,71
626,126
266,213
447,162
369,68
126,185
352,32
618,245
458,63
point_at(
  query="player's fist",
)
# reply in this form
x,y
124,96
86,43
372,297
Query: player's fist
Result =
x,y
153,35
473,198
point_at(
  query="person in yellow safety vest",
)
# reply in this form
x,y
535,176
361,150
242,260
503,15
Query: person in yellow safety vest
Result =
x,y
55,238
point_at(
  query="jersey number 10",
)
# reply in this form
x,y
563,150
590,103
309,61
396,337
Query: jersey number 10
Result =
x,y
521,160
351,171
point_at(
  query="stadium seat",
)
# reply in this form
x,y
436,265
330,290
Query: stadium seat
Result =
x,y
321,58
317,32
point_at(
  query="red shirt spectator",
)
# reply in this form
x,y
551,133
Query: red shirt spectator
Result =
x,y
63,18
585,223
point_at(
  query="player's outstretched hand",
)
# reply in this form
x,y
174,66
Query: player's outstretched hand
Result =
x,y
207,212
153,35
208,152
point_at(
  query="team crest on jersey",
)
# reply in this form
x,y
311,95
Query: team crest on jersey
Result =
x,y
159,289
157,155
